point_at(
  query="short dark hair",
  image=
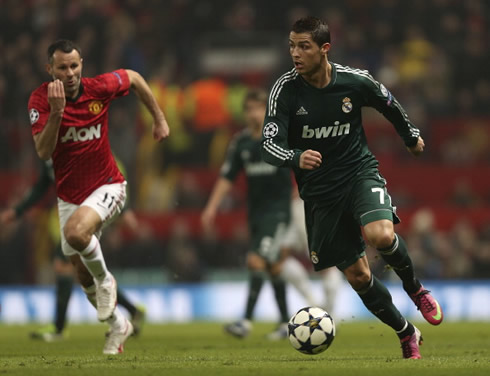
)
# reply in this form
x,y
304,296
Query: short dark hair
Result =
x,y
63,45
258,95
318,29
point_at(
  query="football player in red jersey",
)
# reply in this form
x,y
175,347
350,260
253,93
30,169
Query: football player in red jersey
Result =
x,y
69,118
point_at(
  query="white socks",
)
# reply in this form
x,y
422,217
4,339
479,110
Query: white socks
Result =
x,y
331,282
294,273
93,259
117,321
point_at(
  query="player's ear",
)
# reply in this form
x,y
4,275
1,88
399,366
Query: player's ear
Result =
x,y
49,69
325,48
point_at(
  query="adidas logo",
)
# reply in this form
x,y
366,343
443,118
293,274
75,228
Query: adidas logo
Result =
x,y
301,111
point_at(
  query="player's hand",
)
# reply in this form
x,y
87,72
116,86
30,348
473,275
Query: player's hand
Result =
x,y
310,160
7,216
160,129
56,96
417,149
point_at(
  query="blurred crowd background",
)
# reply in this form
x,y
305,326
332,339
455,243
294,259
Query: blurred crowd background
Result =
x,y
200,57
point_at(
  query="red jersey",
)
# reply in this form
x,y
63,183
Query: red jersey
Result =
x,y
82,159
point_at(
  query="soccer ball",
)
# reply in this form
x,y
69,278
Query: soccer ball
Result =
x,y
311,330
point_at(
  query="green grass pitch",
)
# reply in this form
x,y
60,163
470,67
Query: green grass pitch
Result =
x,y
200,349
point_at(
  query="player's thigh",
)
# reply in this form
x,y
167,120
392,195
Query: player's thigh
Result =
x,y
107,201
65,211
334,237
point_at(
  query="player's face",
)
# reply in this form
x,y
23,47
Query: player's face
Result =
x,y
254,113
67,67
306,54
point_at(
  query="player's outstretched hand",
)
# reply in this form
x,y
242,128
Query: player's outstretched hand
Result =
x,y
56,96
310,160
417,149
160,130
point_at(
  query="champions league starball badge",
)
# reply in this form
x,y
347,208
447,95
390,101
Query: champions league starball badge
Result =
x,y
270,130
33,115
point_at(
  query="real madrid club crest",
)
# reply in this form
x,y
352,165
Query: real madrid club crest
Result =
x,y
346,105
314,258
95,107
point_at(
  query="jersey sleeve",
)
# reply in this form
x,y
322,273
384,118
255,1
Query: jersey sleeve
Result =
x,y
377,96
113,84
38,109
275,148
233,163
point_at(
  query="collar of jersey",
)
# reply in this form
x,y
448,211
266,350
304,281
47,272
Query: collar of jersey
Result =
x,y
80,92
330,84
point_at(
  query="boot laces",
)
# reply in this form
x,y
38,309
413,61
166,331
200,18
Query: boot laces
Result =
x,y
422,301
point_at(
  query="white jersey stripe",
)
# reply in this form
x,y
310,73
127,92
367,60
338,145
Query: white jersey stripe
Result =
x,y
276,90
270,146
359,73
288,153
270,151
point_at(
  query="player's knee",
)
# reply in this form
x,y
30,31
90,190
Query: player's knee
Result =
x,y
76,236
382,238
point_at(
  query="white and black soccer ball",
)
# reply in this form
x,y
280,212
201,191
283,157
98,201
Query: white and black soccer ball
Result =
x,y
311,330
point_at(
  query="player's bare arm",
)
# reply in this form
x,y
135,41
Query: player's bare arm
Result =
x,y
160,127
418,148
310,160
45,140
220,190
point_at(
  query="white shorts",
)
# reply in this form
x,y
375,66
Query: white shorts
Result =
x,y
296,237
107,200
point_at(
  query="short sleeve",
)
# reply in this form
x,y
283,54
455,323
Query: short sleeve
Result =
x,y
113,84
38,109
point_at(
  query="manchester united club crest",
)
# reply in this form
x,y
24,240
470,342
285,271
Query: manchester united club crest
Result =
x,y
95,107
314,257
346,105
